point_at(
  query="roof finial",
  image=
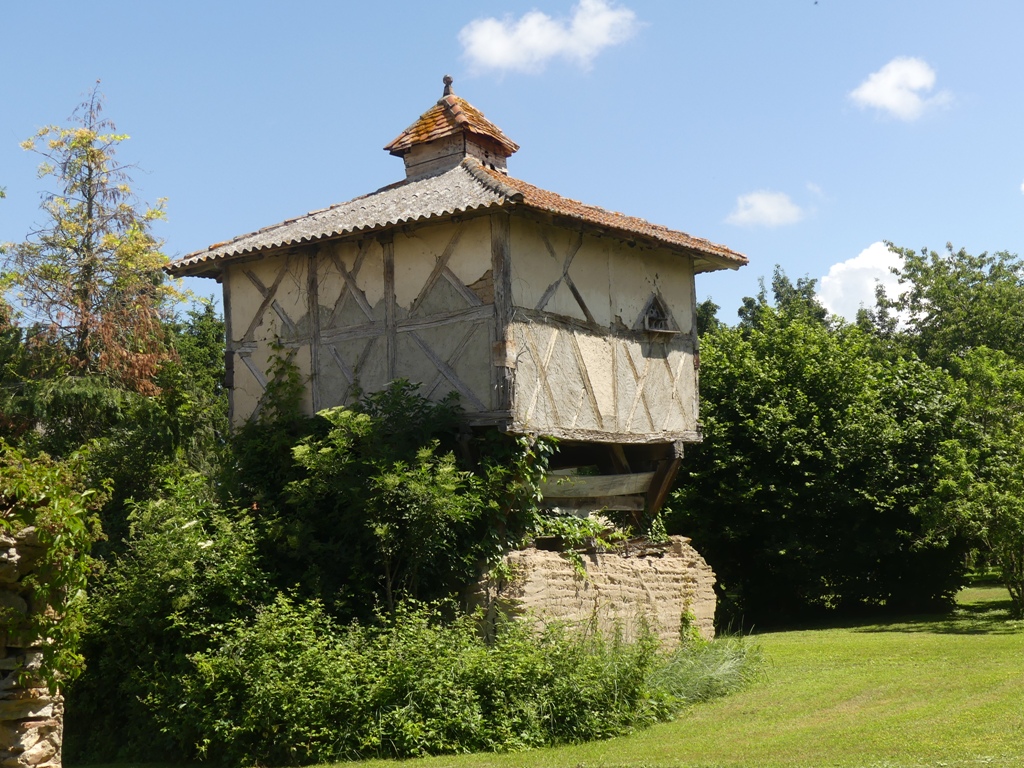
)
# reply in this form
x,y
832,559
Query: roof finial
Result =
x,y
447,85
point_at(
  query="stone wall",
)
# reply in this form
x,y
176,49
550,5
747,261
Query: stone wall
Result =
x,y
31,719
661,583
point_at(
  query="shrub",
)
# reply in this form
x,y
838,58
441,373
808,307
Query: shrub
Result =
x,y
187,569
294,687
42,501
366,505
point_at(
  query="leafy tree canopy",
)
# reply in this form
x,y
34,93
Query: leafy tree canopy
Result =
x,y
814,486
955,302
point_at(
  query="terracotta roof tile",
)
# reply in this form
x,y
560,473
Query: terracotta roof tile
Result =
x,y
450,115
550,202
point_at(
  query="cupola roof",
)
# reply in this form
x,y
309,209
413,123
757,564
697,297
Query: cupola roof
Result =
x,y
450,116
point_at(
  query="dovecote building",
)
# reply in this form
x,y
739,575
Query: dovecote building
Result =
x,y
548,316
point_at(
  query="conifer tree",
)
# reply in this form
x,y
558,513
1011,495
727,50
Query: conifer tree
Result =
x,y
88,280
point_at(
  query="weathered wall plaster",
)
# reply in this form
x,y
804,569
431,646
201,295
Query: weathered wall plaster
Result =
x,y
618,588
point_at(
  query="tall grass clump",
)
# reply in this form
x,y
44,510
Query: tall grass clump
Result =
x,y
698,672
294,686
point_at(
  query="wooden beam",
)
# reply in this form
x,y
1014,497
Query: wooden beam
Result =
x,y
501,274
596,436
268,297
313,312
470,314
351,287
349,332
439,267
588,387
586,506
618,459
390,308
447,371
590,486
661,484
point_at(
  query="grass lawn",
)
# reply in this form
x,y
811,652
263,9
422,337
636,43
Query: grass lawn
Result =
x,y
926,691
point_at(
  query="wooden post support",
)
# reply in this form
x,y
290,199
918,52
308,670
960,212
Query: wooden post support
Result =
x,y
661,484
501,273
390,308
313,311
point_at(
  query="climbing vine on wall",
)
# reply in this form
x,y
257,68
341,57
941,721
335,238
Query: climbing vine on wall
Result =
x,y
47,524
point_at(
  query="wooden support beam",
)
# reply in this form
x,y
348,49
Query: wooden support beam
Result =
x,y
591,486
390,307
618,458
661,484
313,313
583,507
501,274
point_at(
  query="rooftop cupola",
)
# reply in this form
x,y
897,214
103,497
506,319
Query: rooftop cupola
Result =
x,y
446,133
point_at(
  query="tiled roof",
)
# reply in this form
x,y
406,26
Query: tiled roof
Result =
x,y
468,186
619,223
449,116
454,191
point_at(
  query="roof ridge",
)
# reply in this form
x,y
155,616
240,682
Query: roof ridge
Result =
x,y
454,106
477,170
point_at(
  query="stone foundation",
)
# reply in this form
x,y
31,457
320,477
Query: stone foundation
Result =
x,y
658,582
31,719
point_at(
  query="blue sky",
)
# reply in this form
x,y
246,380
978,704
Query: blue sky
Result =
x,y
798,133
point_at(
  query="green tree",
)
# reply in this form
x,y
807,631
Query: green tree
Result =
x,y
814,485
987,495
955,302
89,278
791,299
380,510
965,313
187,568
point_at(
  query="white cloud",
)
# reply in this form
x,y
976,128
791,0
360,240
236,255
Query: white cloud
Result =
x,y
527,44
765,208
900,88
850,284
1022,187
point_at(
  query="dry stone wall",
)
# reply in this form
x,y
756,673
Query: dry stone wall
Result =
x,y
659,583
31,719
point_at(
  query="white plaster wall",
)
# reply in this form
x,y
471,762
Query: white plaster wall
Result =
x,y
638,387
284,319
471,258
533,267
578,379
615,280
453,354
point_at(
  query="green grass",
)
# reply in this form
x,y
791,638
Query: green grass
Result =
x,y
926,691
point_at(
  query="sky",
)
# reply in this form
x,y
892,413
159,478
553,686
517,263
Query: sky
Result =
x,y
802,134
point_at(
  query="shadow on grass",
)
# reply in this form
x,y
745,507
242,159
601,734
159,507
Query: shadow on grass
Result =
x,y
992,617
987,615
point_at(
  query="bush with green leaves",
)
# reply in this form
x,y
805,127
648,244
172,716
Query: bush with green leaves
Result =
x,y
817,484
42,501
391,498
187,569
294,687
